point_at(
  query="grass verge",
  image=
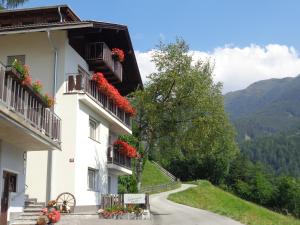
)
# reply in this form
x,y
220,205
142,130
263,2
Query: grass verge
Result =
x,y
153,176
208,197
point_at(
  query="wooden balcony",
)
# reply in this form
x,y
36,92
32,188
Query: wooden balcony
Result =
x,y
99,57
24,109
117,161
84,82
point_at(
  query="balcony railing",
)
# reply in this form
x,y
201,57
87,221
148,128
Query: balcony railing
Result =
x,y
99,57
84,82
28,104
115,157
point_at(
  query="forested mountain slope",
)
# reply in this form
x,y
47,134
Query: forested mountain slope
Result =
x,y
265,107
267,119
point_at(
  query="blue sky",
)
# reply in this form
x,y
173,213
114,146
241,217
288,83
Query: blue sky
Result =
x,y
248,40
205,25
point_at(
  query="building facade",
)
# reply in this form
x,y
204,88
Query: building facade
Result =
x,y
76,155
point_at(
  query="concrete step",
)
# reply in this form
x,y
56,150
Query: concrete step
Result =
x,y
32,210
31,214
34,206
27,218
31,200
23,222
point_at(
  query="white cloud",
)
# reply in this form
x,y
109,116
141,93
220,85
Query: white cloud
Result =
x,y
237,67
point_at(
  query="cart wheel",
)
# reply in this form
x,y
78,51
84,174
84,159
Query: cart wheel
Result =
x,y
66,202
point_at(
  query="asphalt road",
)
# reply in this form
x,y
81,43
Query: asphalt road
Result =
x,y
166,212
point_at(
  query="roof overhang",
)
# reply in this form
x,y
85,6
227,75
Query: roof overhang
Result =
x,y
45,27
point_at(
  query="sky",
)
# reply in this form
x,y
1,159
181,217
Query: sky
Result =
x,y
248,40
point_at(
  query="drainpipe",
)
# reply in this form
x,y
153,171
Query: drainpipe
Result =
x,y
50,153
60,15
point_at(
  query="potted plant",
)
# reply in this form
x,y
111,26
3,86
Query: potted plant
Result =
x,y
118,54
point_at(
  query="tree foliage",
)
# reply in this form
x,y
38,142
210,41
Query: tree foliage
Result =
x,y
279,151
11,3
181,115
256,183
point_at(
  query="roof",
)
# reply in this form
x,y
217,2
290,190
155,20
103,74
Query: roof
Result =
x,y
43,27
37,9
118,34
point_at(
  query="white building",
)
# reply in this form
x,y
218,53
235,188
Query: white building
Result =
x,y
74,154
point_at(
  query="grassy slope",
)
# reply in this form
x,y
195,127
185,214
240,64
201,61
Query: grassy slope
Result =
x,y
153,176
211,198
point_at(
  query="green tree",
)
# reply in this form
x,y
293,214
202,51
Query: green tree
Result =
x,y
11,3
181,115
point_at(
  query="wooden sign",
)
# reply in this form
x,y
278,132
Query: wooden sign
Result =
x,y
134,199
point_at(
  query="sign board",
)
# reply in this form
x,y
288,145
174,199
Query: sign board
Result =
x,y
134,199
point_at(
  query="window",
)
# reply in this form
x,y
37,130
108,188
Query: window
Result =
x,y
11,59
92,179
10,181
13,182
94,129
109,184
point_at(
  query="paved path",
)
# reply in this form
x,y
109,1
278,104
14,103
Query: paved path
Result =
x,y
94,220
166,212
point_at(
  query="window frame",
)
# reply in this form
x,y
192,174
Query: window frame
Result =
x,y
95,134
94,177
20,58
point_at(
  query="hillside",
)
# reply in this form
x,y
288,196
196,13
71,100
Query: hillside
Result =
x,y
267,119
208,197
265,107
153,176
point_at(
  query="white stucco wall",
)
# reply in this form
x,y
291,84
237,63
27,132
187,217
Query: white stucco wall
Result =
x,y
38,53
90,153
12,160
36,175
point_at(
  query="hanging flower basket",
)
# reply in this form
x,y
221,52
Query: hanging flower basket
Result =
x,y
106,88
126,149
118,54
22,74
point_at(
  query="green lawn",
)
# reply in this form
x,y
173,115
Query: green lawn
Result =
x,y
206,196
153,176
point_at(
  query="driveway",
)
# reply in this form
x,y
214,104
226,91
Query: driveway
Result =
x,y
94,220
166,212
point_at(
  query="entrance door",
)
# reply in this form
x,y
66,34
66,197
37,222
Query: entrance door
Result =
x,y
4,198
9,185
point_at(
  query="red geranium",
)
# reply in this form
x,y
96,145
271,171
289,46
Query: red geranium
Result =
x,y
126,149
106,88
118,53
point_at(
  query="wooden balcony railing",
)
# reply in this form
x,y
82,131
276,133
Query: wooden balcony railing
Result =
x,y
28,104
115,157
84,82
99,57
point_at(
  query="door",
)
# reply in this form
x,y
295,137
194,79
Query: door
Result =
x,y
9,185
4,198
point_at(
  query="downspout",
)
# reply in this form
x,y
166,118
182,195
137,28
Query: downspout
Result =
x,y
50,152
60,15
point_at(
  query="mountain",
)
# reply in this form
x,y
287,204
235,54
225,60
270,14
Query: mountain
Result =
x,y
267,119
265,107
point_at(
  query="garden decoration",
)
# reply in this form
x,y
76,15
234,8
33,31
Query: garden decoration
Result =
x,y
49,214
66,202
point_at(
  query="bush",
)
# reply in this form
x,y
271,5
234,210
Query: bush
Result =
x,y
127,184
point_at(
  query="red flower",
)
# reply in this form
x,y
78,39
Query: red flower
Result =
x,y
126,149
27,80
112,93
49,100
119,53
